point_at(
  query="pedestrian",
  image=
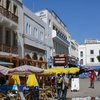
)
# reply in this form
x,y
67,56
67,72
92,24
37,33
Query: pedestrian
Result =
x,y
92,78
58,86
99,74
65,85
96,72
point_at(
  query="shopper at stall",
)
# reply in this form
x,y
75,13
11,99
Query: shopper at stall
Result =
x,y
58,86
65,85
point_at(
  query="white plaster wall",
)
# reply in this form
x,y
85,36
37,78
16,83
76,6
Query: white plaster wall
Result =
x,y
86,53
30,39
96,48
82,48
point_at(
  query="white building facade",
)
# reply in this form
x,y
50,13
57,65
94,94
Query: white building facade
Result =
x,y
88,53
9,22
73,52
22,32
36,38
60,36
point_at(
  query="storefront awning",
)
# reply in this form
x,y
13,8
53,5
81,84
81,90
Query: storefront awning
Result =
x,y
5,63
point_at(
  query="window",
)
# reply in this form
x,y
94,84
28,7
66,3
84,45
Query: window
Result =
x,y
49,22
15,9
8,37
1,35
81,61
32,32
41,36
99,52
81,54
27,28
35,32
91,59
14,39
91,51
7,4
0,2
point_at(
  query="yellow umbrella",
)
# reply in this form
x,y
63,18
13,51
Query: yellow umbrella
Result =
x,y
47,72
59,70
73,70
32,80
55,71
16,79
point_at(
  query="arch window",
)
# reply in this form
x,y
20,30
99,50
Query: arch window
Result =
x,y
0,2
41,36
8,5
27,28
81,61
15,9
36,32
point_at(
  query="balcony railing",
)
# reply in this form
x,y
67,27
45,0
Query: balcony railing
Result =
x,y
63,38
8,14
9,49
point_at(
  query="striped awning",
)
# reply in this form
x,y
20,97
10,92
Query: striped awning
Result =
x,y
21,70
4,70
25,69
3,63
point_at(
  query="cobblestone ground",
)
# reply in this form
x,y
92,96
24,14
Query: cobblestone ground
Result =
x,y
85,91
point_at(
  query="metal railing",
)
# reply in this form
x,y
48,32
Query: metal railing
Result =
x,y
9,49
8,14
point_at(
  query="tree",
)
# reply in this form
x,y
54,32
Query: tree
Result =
x,y
98,57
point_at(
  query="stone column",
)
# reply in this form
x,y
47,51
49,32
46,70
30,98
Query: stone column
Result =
x,y
4,3
11,6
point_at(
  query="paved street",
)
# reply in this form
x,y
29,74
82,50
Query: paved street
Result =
x,y
85,91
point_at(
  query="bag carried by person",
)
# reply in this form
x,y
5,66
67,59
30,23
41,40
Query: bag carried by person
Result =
x,y
65,83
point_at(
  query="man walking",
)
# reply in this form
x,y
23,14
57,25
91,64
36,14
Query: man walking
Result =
x,y
58,86
92,78
65,84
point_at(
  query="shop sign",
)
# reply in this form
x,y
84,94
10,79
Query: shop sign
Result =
x,y
60,60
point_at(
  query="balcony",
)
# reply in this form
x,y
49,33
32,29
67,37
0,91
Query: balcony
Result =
x,y
60,37
8,49
8,14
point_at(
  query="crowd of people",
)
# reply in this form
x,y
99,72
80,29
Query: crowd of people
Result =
x,y
62,84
